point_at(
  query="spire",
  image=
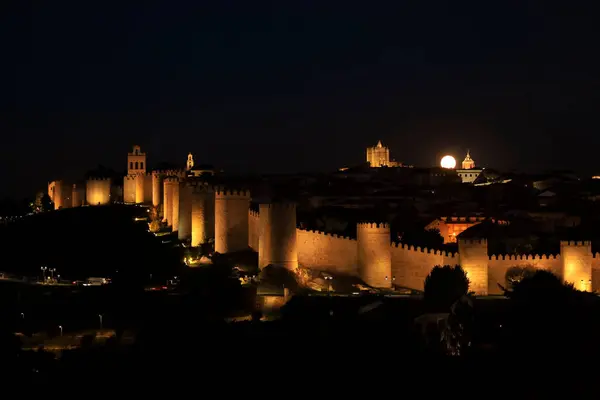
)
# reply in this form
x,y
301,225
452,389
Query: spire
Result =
x,y
379,145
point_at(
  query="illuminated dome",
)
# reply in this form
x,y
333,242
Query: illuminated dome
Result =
x,y
448,162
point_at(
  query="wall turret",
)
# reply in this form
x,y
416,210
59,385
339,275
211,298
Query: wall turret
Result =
x,y
184,231
577,264
157,188
129,183
139,188
374,254
278,243
56,192
98,191
203,213
231,220
171,183
473,256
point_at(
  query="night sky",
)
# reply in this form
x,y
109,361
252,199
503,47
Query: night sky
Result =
x,y
295,85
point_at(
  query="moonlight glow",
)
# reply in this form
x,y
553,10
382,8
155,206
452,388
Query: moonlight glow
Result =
x,y
448,162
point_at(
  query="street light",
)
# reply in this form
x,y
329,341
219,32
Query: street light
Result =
x,y
22,316
61,329
43,273
328,278
391,281
100,316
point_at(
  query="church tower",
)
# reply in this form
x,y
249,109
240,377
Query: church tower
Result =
x,y
378,156
190,162
136,161
468,162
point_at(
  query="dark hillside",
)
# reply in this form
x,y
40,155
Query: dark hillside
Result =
x,y
86,241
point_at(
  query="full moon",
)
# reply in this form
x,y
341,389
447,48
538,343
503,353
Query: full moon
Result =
x,y
448,162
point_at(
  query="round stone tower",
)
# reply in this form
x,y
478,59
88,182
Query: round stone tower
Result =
x,y
577,264
139,188
170,183
157,185
277,244
203,213
231,220
184,231
374,254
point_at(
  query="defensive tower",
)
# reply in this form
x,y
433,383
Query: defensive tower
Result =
x,y
231,220
278,243
170,183
577,264
374,254
203,213
184,231
98,191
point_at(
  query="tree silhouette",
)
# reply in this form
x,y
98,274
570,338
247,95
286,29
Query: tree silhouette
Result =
x,y
444,286
516,274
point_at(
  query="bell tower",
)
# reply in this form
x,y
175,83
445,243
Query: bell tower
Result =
x,y
190,162
468,162
136,161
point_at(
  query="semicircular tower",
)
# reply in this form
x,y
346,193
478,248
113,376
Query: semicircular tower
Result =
x,y
277,243
203,213
231,220
374,254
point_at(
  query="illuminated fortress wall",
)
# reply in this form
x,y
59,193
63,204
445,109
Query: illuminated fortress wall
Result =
x,y
327,252
231,220
412,264
373,258
500,264
98,191
253,232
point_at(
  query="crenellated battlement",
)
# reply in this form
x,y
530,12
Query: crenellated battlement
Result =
x,y
322,233
523,257
575,243
223,192
169,172
278,205
420,249
99,179
373,225
471,242
171,179
254,214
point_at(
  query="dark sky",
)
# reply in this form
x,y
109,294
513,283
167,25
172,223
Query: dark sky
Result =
x,y
295,85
